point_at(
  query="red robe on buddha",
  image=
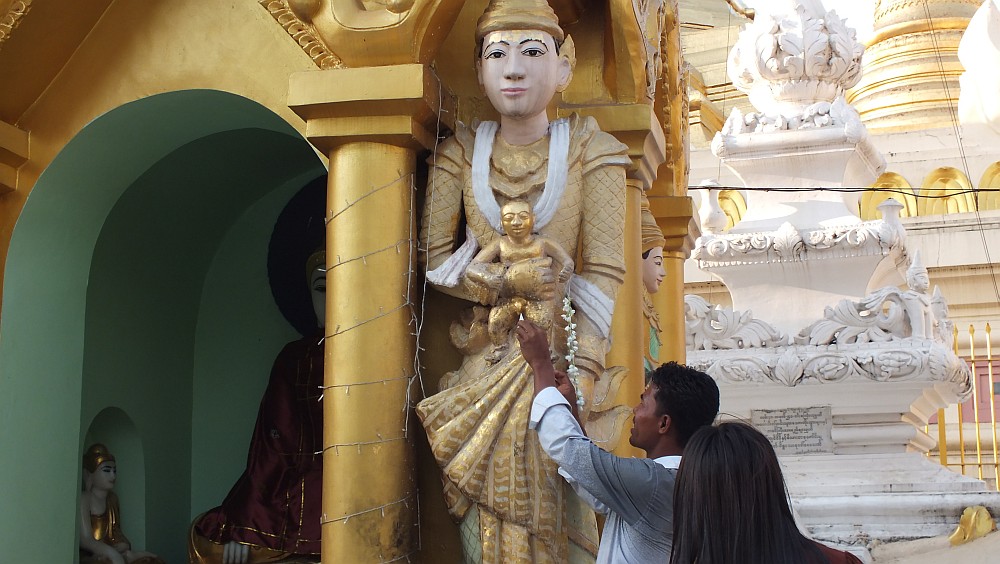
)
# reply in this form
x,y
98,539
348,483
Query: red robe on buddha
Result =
x,y
276,503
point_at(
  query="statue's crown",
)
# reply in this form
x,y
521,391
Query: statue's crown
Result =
x,y
95,456
502,15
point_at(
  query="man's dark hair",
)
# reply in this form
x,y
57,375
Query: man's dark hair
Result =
x,y
690,397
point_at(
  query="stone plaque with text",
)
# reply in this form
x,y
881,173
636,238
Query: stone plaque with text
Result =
x,y
796,430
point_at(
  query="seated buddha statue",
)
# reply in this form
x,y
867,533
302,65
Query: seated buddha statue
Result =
x,y
101,538
272,513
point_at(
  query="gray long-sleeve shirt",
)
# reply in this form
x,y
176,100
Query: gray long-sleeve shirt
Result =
x,y
637,494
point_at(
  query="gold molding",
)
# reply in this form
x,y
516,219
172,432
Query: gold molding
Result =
x,y
393,104
302,34
919,26
870,200
952,190
18,9
990,179
13,154
734,204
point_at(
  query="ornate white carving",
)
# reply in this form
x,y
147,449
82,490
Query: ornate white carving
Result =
x,y
713,219
788,244
885,315
979,52
794,55
820,114
902,360
891,335
712,328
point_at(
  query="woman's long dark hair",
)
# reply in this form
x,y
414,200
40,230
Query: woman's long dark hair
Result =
x,y
730,503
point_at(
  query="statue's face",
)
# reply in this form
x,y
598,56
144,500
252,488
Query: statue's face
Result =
x,y
518,220
317,288
521,71
652,270
105,476
919,281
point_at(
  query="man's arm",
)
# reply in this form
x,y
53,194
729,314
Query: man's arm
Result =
x,y
623,485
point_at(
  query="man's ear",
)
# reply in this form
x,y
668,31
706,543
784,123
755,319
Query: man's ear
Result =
x,y
665,424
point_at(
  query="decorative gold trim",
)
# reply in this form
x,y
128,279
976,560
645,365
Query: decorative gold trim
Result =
x,y
990,179
870,201
302,33
734,205
951,191
922,25
12,18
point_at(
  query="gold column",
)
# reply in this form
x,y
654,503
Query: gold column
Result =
x,y
13,153
627,335
634,125
668,199
674,215
370,122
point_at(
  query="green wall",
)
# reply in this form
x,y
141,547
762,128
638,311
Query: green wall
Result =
x,y
118,310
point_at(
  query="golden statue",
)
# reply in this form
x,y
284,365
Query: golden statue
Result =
x,y
101,538
652,276
506,493
518,244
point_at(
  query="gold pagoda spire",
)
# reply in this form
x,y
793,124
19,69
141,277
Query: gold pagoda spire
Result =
x,y
911,65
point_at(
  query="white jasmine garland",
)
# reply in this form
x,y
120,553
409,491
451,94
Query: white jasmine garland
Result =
x,y
572,347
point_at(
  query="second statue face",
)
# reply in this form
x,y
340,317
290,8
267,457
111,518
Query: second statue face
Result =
x,y
521,70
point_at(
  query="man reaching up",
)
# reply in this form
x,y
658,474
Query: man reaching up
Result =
x,y
635,494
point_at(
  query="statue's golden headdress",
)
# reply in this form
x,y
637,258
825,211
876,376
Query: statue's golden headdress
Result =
x,y
96,455
652,236
315,260
502,15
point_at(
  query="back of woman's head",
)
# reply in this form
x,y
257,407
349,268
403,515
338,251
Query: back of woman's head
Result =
x,y
730,503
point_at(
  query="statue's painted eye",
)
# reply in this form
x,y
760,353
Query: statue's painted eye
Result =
x,y
533,52
495,54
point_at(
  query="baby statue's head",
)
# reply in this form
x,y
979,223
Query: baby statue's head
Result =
x,y
517,219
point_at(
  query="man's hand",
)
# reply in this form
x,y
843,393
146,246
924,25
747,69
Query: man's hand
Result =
x,y
534,343
566,388
535,350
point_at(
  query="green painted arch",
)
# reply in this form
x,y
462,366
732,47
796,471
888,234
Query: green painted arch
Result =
x,y
112,281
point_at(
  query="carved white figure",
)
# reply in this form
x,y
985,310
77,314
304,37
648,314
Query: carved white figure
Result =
x,y
979,52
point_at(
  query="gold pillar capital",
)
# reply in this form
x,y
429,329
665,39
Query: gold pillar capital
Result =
x,y
634,125
396,105
13,154
675,216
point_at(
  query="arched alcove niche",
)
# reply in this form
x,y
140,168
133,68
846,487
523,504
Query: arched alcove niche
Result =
x,y
113,428
136,279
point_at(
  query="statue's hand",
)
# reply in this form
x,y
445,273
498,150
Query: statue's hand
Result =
x,y
235,553
532,279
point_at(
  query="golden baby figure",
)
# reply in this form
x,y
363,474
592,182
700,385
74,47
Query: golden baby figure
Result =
x,y
518,244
